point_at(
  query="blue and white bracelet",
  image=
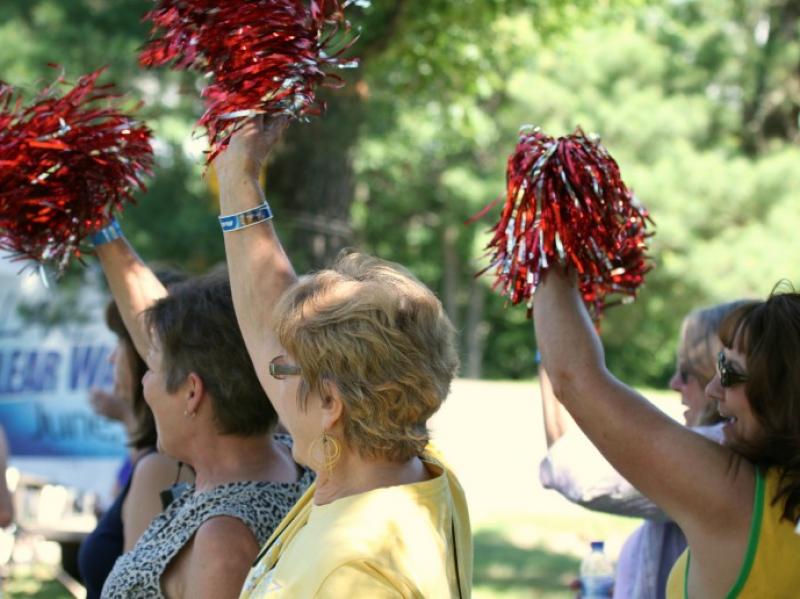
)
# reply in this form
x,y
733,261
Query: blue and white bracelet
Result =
x,y
246,218
107,234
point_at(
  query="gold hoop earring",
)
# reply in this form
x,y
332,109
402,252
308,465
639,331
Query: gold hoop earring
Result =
x,y
329,448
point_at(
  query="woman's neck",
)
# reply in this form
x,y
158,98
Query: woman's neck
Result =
x,y
354,474
228,458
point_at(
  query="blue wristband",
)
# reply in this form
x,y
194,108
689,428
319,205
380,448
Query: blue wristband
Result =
x,y
108,233
246,218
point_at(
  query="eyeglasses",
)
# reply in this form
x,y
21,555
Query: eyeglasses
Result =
x,y
728,377
280,370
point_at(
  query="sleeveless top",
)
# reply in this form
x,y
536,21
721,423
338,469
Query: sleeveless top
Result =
x,y
260,505
104,545
770,567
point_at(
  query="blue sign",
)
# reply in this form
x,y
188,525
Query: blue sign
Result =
x,y
46,375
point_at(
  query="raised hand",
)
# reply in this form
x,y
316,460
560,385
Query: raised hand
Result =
x,y
110,405
249,148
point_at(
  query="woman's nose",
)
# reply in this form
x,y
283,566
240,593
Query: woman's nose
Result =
x,y
676,383
714,389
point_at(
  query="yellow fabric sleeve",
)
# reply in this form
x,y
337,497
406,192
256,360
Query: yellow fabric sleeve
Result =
x,y
357,579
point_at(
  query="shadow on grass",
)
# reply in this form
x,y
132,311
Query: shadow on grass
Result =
x,y
501,565
36,589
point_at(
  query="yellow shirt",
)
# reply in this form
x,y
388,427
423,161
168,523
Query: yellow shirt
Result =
x,y
771,563
390,542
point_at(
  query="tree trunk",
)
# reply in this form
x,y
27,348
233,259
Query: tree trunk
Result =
x,y
475,330
310,183
450,272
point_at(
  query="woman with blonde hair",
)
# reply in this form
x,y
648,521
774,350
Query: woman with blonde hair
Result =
x,y
356,358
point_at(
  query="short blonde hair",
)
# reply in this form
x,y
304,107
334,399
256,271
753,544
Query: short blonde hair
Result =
x,y
699,346
382,337
699,341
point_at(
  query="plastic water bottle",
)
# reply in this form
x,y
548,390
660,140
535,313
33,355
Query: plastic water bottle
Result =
x,y
597,574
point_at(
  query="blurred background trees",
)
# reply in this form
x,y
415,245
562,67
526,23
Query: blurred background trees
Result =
x,y
698,100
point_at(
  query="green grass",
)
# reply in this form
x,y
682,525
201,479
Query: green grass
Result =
x,y
37,583
503,569
526,546
537,556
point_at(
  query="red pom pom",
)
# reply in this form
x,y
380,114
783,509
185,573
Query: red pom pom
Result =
x,y
262,56
567,203
67,161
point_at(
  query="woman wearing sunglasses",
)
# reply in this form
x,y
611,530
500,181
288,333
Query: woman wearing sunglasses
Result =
x,y
575,468
356,358
737,503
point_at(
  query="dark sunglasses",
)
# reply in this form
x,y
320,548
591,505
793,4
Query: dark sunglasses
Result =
x,y
728,377
280,370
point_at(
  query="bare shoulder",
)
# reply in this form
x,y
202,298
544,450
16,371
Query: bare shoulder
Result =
x,y
225,537
154,471
741,482
222,551
153,474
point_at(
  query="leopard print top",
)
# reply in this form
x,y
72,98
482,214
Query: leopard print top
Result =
x,y
260,505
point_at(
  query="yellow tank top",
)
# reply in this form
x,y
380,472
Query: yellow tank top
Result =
x,y
771,566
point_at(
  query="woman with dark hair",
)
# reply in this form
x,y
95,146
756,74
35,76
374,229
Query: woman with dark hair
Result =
x,y
575,468
737,503
211,413
138,501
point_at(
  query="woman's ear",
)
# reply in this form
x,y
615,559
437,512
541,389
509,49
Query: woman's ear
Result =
x,y
332,406
195,393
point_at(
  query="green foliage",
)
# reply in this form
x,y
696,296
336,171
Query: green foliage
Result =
x,y
698,101
664,96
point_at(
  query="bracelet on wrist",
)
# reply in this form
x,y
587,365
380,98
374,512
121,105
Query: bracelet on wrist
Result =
x,y
245,218
107,234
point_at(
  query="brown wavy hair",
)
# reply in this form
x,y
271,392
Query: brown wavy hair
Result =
x,y
767,333
197,327
143,434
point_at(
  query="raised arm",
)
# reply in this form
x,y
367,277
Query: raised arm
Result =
x,y
556,419
577,470
134,286
260,271
697,482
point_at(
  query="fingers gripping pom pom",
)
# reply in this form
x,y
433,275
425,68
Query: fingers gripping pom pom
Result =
x,y
566,203
261,56
67,161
